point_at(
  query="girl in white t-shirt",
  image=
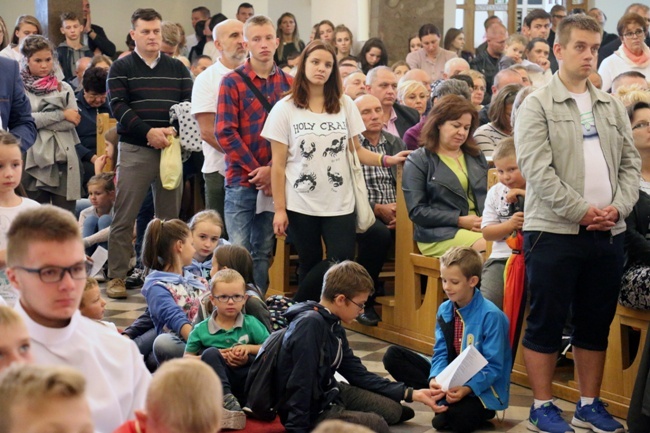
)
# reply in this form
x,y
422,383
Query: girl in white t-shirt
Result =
x,y
310,131
11,170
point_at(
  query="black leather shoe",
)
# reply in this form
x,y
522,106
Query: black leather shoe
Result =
x,y
369,317
135,280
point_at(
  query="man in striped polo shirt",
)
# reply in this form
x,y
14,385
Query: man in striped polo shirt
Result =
x,y
142,87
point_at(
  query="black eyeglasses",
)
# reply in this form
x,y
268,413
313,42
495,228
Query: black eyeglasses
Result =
x,y
635,34
54,274
359,306
225,298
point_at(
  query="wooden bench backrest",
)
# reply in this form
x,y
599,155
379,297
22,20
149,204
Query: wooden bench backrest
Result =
x,y
104,123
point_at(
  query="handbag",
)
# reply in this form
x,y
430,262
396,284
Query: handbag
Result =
x,y
171,165
364,213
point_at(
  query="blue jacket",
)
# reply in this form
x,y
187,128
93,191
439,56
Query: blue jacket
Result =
x,y
486,327
434,196
308,384
165,312
15,109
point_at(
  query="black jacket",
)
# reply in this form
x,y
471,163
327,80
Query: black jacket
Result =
x,y
434,196
101,41
314,348
406,118
637,246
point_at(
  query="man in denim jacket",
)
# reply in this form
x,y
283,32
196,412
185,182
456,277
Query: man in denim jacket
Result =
x,y
575,149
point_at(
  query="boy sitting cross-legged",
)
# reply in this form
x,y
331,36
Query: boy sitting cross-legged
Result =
x,y
315,347
229,341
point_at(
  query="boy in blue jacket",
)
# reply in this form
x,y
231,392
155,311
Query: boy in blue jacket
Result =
x,y
467,318
315,347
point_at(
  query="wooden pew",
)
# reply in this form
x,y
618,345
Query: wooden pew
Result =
x,y
104,123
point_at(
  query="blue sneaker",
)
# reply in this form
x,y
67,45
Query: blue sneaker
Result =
x,y
594,416
548,419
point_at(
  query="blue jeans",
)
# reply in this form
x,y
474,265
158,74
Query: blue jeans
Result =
x,y
250,230
168,346
92,225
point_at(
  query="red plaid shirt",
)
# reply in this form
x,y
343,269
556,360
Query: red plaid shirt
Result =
x,y
458,331
240,119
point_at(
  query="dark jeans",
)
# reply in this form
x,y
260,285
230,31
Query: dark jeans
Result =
x,y
581,273
306,232
360,406
145,215
407,366
373,247
233,379
467,415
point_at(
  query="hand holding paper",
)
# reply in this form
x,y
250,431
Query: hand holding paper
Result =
x,y
462,369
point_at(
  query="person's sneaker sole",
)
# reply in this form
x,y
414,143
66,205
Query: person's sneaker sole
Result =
x,y
587,425
233,420
120,295
532,427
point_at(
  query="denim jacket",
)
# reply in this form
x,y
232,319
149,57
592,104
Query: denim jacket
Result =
x,y
549,143
434,196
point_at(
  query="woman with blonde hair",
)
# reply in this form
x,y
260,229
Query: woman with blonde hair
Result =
x,y
478,92
25,25
413,94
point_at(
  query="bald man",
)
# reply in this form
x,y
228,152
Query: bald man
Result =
x,y
381,183
229,41
501,80
488,62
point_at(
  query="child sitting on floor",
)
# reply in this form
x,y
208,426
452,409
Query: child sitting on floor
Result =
x,y
15,345
39,398
238,258
464,408
206,227
95,221
92,304
229,341
173,404
503,214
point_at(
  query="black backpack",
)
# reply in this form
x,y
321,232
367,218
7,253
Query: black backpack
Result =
x,y
263,396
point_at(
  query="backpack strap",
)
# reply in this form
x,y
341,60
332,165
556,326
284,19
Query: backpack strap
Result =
x,y
265,103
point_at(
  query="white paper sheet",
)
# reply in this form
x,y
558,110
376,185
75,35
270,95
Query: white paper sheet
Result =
x,y
462,369
100,256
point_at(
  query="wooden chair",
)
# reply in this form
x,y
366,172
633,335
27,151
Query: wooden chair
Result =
x,y
104,123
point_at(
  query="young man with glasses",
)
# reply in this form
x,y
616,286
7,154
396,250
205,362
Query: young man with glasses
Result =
x,y
47,265
229,341
315,347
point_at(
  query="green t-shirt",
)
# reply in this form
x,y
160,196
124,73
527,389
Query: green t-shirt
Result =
x,y
247,330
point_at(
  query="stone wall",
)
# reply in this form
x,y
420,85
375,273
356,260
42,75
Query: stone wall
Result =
x,y
395,20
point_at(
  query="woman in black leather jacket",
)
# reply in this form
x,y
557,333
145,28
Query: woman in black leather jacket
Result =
x,y
445,181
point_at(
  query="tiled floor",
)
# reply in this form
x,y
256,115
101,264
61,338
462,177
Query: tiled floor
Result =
x,y
371,351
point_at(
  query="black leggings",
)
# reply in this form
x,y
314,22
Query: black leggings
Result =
x,y
338,233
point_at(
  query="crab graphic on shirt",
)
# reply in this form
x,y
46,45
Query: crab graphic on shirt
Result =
x,y
337,147
334,178
305,182
307,154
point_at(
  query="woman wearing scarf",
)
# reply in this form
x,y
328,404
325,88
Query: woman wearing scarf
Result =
x,y
52,173
633,55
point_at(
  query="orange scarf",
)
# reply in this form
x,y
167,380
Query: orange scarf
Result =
x,y
639,60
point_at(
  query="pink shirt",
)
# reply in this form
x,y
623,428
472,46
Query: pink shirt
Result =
x,y
419,60
390,127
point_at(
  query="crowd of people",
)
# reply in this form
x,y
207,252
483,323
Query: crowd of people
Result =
x,y
277,125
